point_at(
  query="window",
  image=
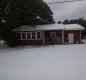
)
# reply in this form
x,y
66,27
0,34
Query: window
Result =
x,y
38,35
53,35
28,35
18,35
33,35
23,35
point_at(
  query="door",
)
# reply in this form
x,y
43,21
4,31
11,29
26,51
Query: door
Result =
x,y
71,38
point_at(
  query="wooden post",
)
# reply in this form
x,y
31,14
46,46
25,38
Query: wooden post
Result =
x,y
43,38
80,36
62,36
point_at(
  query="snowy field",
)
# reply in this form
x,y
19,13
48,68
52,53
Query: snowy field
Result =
x,y
54,62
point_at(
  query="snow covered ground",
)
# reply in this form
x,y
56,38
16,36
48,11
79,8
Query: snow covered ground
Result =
x,y
53,62
84,41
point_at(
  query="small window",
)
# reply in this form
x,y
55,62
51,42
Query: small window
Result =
x,y
33,35
28,35
23,35
38,35
18,35
53,35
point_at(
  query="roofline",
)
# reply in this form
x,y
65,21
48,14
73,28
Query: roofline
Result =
x,y
49,30
74,29
34,29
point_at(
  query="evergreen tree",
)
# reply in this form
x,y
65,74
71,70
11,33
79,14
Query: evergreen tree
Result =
x,y
59,22
14,13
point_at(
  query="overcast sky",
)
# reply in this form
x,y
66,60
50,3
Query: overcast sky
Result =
x,y
69,11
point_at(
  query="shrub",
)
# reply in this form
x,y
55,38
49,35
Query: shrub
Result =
x,y
54,41
10,38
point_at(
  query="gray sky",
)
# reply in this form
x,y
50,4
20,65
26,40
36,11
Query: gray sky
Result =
x,y
69,11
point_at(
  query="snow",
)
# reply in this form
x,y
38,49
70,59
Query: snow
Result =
x,y
53,62
73,27
60,27
2,42
50,27
25,28
84,40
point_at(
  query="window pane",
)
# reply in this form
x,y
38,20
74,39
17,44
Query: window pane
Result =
x,y
38,35
18,35
53,35
33,35
23,35
28,36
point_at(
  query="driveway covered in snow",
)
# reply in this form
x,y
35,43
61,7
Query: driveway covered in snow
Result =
x,y
54,62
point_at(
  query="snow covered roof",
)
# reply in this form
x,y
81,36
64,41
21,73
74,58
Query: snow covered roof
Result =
x,y
51,27
73,27
25,28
